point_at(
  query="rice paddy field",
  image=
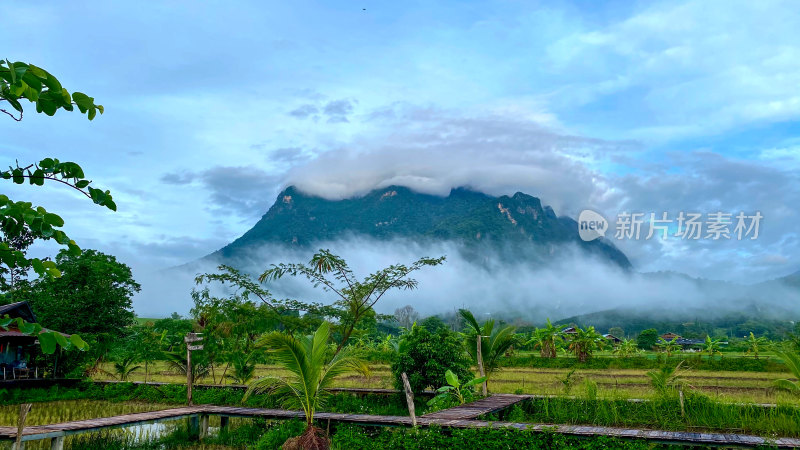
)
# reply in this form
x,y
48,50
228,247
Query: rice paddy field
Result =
x,y
728,386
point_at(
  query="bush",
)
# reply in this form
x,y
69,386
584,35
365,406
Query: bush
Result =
x,y
278,432
426,356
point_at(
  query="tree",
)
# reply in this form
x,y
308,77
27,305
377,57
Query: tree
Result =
x,y
22,81
425,357
311,374
92,296
668,347
711,347
355,298
494,341
586,341
626,348
647,339
433,324
617,332
547,339
280,314
755,344
406,316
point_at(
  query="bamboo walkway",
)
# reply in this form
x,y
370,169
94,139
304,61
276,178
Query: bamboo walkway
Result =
x,y
57,432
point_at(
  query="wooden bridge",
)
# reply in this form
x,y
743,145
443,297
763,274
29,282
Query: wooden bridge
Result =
x,y
459,417
478,408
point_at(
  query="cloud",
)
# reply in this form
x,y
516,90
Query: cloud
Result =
x,y
686,68
432,151
568,285
338,110
304,111
246,191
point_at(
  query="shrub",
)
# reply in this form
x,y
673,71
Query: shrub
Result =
x,y
426,356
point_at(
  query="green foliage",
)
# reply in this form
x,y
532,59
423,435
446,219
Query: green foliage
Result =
x,y
668,347
792,361
647,339
495,341
124,366
279,432
356,298
455,389
586,341
567,381
666,379
547,339
20,223
312,370
425,357
92,296
20,81
353,437
712,347
756,344
627,348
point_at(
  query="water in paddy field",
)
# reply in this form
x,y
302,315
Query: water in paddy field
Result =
x,y
73,410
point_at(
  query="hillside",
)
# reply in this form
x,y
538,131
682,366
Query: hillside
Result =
x,y
519,225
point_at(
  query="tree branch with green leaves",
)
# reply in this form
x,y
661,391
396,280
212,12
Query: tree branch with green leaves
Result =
x,y
21,81
355,297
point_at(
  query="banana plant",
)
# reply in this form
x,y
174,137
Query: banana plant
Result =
x,y
454,389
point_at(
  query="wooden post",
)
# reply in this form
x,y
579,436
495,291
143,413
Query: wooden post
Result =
x,y
189,375
480,365
57,443
409,398
24,409
203,426
193,423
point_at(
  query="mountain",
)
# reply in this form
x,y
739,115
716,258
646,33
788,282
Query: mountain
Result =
x,y
518,224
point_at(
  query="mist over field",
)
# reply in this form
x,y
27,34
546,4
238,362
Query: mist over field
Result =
x,y
496,284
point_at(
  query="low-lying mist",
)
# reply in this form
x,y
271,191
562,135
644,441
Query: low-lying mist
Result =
x,y
497,283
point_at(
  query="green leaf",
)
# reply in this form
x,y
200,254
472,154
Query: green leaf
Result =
x,y
54,220
475,381
82,184
79,343
47,341
451,378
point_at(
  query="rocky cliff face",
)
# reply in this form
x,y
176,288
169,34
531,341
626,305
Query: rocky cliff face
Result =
x,y
518,224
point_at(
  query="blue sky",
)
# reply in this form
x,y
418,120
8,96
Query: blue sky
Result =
x,y
213,107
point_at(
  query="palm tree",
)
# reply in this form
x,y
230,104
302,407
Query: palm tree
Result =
x,y
311,374
243,368
545,339
494,341
626,348
712,346
754,344
792,361
585,341
125,366
668,347
177,361
667,378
